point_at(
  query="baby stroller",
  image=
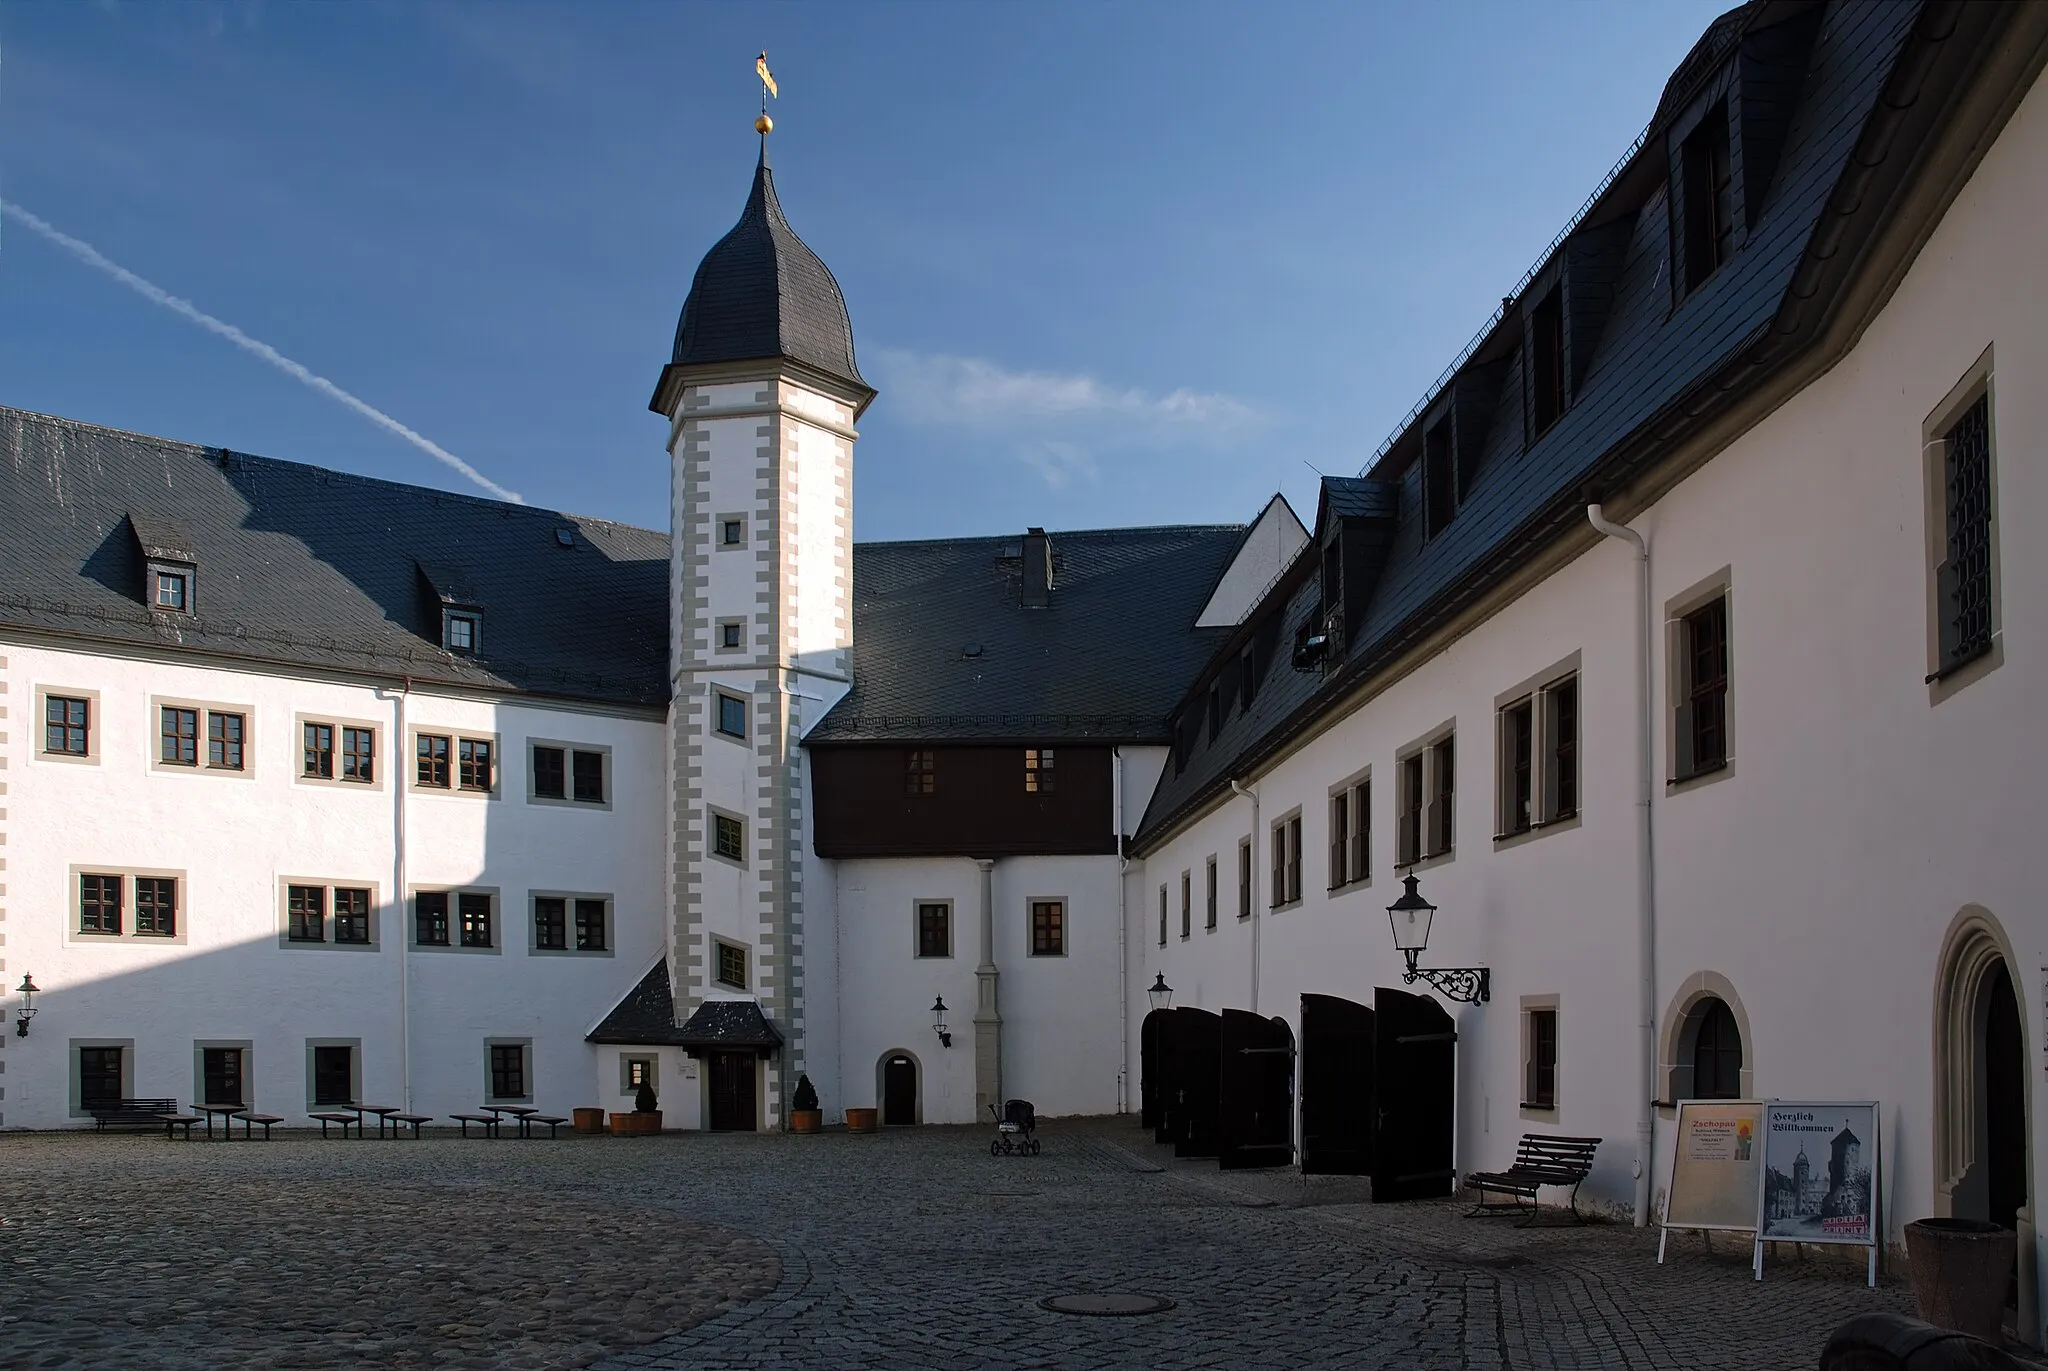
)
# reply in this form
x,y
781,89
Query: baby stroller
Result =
x,y
1015,1123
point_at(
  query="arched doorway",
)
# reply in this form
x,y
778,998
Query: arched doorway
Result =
x,y
1980,1076
1716,1045
1707,1052
2005,1102
899,1093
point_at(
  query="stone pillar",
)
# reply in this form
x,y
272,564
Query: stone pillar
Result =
x,y
988,1023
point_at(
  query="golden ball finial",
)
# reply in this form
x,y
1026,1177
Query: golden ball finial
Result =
x,y
764,125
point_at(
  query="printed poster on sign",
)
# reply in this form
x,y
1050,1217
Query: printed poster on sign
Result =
x,y
1714,1170
1819,1164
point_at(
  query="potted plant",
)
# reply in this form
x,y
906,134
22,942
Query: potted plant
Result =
x,y
588,1120
804,1114
645,1118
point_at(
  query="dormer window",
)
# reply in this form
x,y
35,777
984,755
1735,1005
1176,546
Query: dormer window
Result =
x,y
462,631
1548,392
170,561
1439,487
1708,214
173,590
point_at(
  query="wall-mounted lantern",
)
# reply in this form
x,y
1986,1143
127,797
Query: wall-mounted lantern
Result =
x,y
1411,915
27,989
939,1022
1161,993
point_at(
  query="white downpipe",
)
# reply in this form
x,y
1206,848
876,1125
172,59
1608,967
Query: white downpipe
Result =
x,y
398,903
1123,943
1646,876
1253,796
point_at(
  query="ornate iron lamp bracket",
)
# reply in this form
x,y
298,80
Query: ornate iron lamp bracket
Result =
x,y
1466,984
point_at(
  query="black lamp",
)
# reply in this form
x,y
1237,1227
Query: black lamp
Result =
x,y
1161,992
1410,916
28,1005
939,1022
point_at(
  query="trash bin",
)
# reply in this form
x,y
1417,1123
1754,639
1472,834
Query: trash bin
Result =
x,y
1961,1269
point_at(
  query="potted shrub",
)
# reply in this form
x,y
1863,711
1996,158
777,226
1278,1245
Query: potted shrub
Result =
x,y
804,1114
588,1120
645,1118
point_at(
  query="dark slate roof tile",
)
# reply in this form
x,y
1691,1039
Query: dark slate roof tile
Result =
x,y
646,1017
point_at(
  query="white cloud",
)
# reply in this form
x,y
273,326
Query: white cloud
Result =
x,y
1060,420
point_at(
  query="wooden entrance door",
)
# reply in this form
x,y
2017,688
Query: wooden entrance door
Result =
x,y
732,1092
1336,1086
1415,1078
1198,1053
899,1089
1255,1092
223,1072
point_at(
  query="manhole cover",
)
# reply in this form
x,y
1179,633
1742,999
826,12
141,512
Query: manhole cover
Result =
x,y
1106,1306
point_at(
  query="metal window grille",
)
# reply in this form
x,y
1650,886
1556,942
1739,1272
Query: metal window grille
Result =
x,y
224,741
351,915
68,726
156,906
1964,579
180,734
305,913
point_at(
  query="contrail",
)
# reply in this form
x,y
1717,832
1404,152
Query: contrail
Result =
x,y
92,257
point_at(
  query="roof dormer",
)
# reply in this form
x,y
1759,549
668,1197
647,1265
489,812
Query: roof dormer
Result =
x,y
170,560
456,611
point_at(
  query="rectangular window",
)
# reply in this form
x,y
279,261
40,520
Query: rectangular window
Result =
x,y
1709,198
1540,1080
731,635
224,734
508,1071
67,728
1048,928
1287,861
99,1077
550,773
333,1075
1038,771
550,923
1408,835
1350,834
433,760
465,632
359,755
732,965
1244,878
1340,845
179,730
728,837
1187,910
156,906
1517,766
1547,393
587,777
1162,916
732,715
920,773
473,908
1443,810
473,764
590,926
934,930
220,1075
99,904
1439,489
1963,580
1209,920
639,1071
170,591
430,918
305,913
1561,749
1703,703
732,532
351,914
319,751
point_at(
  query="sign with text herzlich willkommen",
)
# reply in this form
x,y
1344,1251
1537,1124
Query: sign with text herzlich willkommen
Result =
x,y
1819,1181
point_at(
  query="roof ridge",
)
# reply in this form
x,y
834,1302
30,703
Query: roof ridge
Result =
x,y
971,538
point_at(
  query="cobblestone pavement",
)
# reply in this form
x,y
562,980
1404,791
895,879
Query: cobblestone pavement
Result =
x,y
910,1249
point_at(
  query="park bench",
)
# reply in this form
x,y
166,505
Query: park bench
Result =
x,y
489,1122
1540,1159
415,1120
553,1121
252,1121
136,1114
333,1116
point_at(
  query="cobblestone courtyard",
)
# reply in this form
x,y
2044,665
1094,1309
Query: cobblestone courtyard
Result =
x,y
910,1249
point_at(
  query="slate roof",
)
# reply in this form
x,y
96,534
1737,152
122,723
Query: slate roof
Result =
x,y
308,568
761,293
646,1017
1105,663
1856,114
728,1023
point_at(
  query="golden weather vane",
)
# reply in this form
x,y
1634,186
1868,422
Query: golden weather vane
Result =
x,y
764,123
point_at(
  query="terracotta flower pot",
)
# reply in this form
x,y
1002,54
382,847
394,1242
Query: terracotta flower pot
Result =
x,y
1960,1269
806,1120
588,1120
632,1125
860,1120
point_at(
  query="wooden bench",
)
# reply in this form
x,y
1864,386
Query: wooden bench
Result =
x,y
1540,1159
134,1114
400,1120
347,1121
553,1121
250,1120
489,1121
174,1122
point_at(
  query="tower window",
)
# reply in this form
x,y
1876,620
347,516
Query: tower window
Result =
x,y
732,531
728,837
732,715
732,965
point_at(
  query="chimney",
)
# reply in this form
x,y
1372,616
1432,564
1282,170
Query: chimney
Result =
x,y
1037,569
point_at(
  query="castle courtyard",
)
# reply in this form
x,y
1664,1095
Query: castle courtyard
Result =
x,y
911,1248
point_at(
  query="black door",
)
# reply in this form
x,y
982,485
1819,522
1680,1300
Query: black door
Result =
x,y
1197,1051
1255,1092
1336,1086
222,1069
1166,1061
899,1090
1415,1072
2005,1101
1151,1067
732,1092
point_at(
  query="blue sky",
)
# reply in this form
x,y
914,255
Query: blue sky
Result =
x,y
1107,263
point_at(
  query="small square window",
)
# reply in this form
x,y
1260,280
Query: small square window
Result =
x,y
351,915
1048,928
550,923
732,715
731,635
732,965
729,837
474,908
732,532
433,760
305,914
67,726
224,733
638,1071
465,633
171,591
550,771
430,918
934,930
180,734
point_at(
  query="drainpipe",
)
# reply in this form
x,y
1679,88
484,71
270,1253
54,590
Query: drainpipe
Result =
x,y
1646,879
1253,796
398,753
1123,942
988,1023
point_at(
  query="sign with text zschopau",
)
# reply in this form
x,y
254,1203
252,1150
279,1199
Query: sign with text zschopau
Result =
x,y
1819,1174
1714,1171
